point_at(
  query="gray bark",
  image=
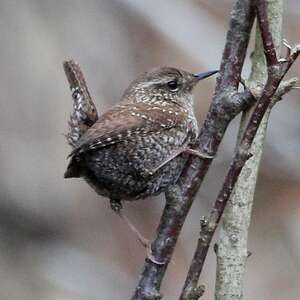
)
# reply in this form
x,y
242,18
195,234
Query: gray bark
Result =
x,y
232,248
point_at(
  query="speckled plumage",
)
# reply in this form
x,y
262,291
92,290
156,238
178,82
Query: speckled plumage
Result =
x,y
137,148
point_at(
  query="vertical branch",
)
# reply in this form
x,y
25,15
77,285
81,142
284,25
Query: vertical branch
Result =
x,y
226,104
276,72
232,249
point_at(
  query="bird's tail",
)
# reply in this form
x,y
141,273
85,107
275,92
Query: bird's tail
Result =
x,y
73,169
84,113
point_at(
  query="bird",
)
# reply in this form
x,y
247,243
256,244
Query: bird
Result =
x,y
139,147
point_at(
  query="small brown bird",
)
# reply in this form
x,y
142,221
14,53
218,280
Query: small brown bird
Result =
x,y
139,147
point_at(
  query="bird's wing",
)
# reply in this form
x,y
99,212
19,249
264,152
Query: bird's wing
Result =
x,y
124,122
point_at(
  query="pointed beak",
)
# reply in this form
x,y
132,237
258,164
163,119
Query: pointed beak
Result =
x,y
203,75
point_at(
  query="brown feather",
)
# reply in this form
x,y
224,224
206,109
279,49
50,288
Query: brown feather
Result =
x,y
123,122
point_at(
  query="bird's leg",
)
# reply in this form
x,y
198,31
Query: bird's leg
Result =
x,y
116,206
145,243
190,151
197,153
134,230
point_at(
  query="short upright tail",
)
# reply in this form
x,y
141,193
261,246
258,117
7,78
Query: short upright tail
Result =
x,y
84,113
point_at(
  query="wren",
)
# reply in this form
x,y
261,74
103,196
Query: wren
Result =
x,y
139,147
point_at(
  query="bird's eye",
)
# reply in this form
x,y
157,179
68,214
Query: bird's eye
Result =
x,y
173,85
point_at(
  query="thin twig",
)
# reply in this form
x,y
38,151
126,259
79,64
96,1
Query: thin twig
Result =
x,y
276,71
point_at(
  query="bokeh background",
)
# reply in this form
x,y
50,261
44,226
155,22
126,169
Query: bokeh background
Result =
x,y
58,239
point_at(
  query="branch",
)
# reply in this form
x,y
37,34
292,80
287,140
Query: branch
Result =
x,y
226,104
232,251
84,113
265,31
276,71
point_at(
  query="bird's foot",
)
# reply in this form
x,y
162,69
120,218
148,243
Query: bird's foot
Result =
x,y
144,242
151,257
116,205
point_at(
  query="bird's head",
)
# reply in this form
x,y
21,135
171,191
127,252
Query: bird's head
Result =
x,y
165,84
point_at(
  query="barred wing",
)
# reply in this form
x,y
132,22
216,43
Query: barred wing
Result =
x,y
124,122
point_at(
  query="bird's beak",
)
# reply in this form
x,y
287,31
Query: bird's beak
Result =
x,y
203,75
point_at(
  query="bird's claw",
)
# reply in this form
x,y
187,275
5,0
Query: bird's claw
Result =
x,y
283,60
286,44
151,257
291,50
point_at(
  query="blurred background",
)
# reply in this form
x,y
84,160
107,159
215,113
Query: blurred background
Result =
x,y
58,239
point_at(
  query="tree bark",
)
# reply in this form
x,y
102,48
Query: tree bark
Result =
x,y
232,248
276,70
